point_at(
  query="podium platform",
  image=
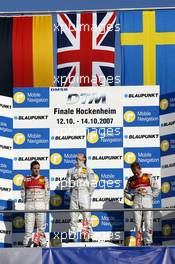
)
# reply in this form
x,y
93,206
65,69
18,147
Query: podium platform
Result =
x,y
90,255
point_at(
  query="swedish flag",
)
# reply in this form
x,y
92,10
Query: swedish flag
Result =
x,y
148,48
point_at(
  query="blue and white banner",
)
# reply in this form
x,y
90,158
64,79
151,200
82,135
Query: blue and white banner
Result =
x,y
113,126
167,145
6,157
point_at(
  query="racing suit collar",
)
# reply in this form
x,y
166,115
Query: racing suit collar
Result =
x,y
137,177
35,177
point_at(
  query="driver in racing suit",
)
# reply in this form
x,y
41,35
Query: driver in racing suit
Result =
x,y
35,194
141,188
81,184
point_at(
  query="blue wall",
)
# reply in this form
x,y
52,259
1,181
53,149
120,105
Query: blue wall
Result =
x,y
53,5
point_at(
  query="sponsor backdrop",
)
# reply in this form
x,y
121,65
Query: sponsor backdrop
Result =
x,y
110,126
6,155
167,145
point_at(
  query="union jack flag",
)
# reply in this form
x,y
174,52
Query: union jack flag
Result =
x,y
85,49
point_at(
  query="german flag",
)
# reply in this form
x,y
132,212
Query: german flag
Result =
x,y
26,52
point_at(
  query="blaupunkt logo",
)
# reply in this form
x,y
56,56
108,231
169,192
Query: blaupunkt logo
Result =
x,y
92,137
164,104
19,138
129,116
129,157
19,97
56,158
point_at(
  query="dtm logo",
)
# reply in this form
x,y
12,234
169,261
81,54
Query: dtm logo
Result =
x,y
56,158
92,137
18,179
166,187
129,116
18,222
19,138
164,104
166,230
95,220
164,145
56,200
86,98
19,97
129,157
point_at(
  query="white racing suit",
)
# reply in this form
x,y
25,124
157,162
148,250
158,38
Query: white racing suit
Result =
x,y
134,191
35,194
81,183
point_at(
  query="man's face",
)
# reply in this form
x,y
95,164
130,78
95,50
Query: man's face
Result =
x,y
137,171
35,170
81,157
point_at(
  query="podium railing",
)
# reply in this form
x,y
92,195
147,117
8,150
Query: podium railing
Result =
x,y
90,210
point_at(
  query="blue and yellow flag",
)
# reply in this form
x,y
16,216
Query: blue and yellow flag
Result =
x,y
148,48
